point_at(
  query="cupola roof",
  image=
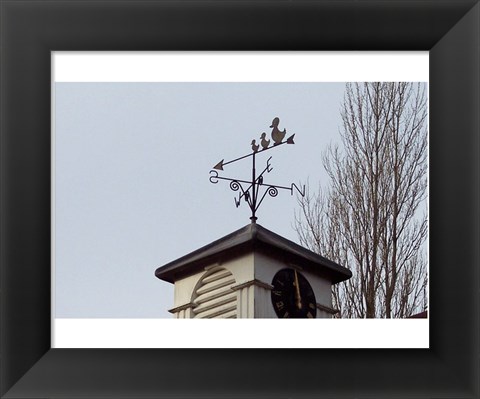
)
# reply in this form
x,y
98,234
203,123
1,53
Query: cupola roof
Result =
x,y
252,238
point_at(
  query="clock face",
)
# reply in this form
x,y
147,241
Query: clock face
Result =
x,y
292,295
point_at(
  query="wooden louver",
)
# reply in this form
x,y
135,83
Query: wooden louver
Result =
x,y
214,297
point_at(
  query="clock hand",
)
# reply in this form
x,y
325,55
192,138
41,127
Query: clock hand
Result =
x,y
297,292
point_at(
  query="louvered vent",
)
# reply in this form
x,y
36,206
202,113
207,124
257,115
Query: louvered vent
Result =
x,y
214,297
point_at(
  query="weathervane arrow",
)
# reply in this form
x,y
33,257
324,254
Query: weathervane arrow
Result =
x,y
222,163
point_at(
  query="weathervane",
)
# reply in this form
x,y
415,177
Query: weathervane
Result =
x,y
251,192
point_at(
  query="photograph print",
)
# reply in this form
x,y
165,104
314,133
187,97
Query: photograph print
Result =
x,y
241,200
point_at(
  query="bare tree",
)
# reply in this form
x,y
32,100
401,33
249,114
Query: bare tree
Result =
x,y
372,217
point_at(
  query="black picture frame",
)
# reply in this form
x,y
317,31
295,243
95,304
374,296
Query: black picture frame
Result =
x,y
30,30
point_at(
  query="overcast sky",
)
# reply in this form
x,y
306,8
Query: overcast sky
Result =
x,y
132,189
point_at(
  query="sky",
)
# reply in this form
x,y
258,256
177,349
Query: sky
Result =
x,y
132,189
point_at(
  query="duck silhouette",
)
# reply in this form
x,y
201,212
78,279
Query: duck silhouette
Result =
x,y
254,146
265,143
277,135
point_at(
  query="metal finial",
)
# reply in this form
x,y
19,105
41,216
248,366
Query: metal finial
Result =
x,y
250,191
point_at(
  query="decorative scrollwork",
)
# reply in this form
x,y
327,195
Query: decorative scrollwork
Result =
x,y
235,185
272,191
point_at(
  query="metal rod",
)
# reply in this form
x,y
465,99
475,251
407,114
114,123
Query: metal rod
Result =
x,y
288,141
254,195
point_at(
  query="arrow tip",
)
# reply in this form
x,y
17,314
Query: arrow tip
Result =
x,y
219,166
290,139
